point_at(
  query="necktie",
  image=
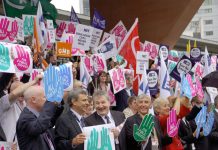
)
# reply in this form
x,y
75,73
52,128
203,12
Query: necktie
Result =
x,y
82,122
107,118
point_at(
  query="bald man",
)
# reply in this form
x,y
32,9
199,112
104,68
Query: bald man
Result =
x,y
36,121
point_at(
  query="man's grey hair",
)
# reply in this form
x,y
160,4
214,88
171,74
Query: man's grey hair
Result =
x,y
100,93
143,96
74,95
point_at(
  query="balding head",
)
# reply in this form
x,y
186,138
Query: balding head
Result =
x,y
35,97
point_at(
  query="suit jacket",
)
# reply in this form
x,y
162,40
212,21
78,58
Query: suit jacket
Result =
x,y
2,134
66,129
213,137
128,141
31,130
121,99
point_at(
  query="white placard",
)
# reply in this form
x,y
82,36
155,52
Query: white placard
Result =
x,y
20,33
49,24
96,36
142,59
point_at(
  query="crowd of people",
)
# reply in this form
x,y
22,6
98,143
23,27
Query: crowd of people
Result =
x,y
31,122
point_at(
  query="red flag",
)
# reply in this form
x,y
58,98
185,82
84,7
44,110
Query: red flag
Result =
x,y
128,49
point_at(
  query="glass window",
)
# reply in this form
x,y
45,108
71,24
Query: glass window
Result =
x,y
208,2
208,33
207,22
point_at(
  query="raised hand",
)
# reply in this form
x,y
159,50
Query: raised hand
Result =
x,y
172,124
66,75
93,140
14,29
4,23
60,29
142,132
207,127
53,84
4,58
71,28
200,120
105,139
22,61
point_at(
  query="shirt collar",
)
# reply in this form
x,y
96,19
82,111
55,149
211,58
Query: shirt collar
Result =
x,y
76,114
36,113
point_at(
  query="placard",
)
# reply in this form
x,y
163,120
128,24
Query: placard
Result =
x,y
96,36
99,137
105,36
5,145
83,36
89,64
51,35
195,54
66,76
184,65
20,33
152,76
118,79
99,63
49,24
164,51
141,60
108,48
28,24
64,49
152,48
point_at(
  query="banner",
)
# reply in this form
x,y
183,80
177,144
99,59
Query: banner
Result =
x,y
23,61
98,21
96,36
118,79
6,62
141,61
73,16
64,49
83,36
28,24
108,48
99,137
152,48
120,32
152,76
8,28
184,65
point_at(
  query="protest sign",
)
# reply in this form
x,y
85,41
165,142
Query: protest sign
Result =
x,y
8,28
28,24
99,63
152,48
105,36
6,62
5,145
99,137
64,49
173,55
89,65
23,61
96,36
213,62
66,76
53,85
78,52
83,36
153,81
118,79
164,51
144,130
184,65
172,124
33,75
20,33
171,65
49,24
120,32
200,120
51,35
195,54
108,48
198,69
141,60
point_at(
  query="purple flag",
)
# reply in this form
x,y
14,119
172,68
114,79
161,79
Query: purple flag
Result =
x,y
73,16
98,21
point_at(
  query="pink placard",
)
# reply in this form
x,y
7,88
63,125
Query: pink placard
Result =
x,y
172,124
89,65
99,63
193,89
199,89
152,49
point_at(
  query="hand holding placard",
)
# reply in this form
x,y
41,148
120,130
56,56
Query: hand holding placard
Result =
x,y
172,124
53,84
4,58
143,131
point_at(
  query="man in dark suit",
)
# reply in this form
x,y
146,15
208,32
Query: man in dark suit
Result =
x,y
68,129
155,141
104,115
213,136
36,121
123,95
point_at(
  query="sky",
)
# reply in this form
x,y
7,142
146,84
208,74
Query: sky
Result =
x,y
66,4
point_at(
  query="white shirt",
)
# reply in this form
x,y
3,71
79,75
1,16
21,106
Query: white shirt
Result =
x,y
78,117
110,118
9,114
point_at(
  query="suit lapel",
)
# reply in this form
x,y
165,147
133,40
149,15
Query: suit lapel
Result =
x,y
98,118
2,134
73,120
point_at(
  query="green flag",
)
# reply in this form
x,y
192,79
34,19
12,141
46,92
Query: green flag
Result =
x,y
15,8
